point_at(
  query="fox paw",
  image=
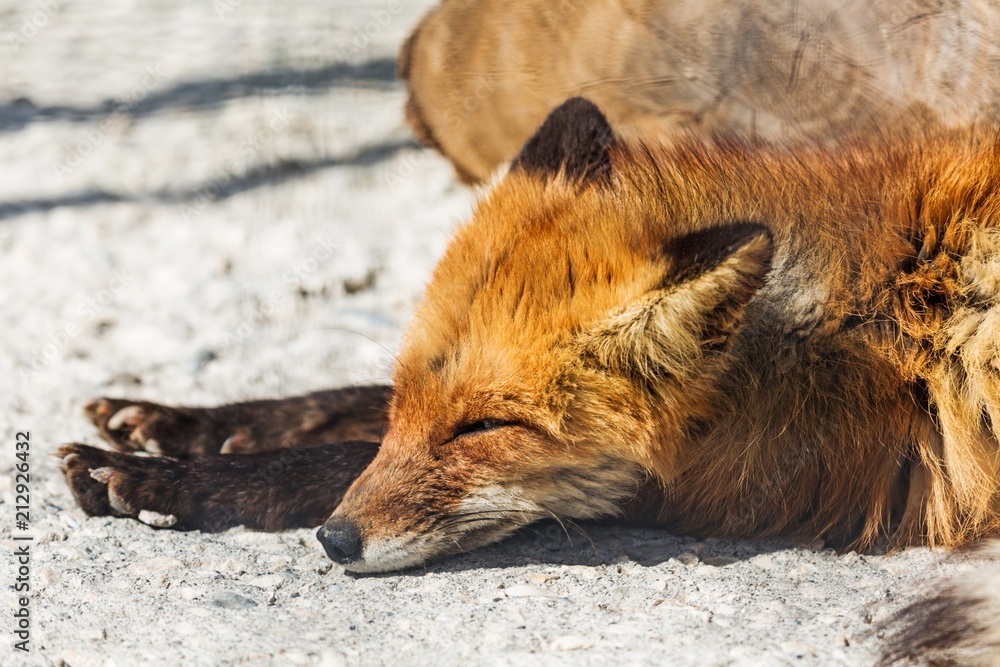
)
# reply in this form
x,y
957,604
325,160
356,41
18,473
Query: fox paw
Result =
x,y
140,426
108,483
131,426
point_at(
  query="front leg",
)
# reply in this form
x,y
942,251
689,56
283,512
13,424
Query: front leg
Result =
x,y
274,490
352,413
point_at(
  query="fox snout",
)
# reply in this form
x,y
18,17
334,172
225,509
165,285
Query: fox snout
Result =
x,y
407,508
404,511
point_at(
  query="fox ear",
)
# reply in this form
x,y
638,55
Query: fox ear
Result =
x,y
575,139
689,318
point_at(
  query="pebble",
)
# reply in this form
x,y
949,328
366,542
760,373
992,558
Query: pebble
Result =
x,y
45,577
797,648
803,570
527,591
688,559
78,659
570,643
332,659
255,538
813,592
295,657
724,609
226,566
69,554
267,581
228,600
434,585
191,592
154,565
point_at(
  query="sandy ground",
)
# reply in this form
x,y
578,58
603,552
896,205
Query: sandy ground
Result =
x,y
187,189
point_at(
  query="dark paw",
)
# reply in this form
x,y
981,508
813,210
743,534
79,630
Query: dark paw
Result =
x,y
112,484
356,413
140,426
130,426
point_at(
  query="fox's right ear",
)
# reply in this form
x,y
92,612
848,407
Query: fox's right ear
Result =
x,y
691,316
575,139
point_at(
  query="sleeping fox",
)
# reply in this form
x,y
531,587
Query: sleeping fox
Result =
x,y
483,74
723,338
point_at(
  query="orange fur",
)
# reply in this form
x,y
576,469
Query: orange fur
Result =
x,y
726,338
482,74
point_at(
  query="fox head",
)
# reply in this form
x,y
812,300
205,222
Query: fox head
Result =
x,y
568,344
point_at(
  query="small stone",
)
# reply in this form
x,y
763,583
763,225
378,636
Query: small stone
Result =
x,y
724,609
202,359
227,600
797,648
154,565
71,657
688,559
719,561
803,570
268,581
191,592
45,577
527,591
570,643
812,592
296,657
876,613
332,659
186,628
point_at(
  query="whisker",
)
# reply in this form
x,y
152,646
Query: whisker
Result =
x,y
358,333
491,515
561,524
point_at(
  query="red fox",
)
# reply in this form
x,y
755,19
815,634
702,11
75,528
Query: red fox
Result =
x,y
724,338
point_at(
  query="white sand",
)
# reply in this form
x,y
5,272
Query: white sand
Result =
x,y
134,283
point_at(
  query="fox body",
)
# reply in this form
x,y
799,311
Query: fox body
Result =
x,y
483,74
725,338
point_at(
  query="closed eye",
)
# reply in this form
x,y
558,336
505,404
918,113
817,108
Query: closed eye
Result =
x,y
481,425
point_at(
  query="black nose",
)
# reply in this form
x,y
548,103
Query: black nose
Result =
x,y
341,539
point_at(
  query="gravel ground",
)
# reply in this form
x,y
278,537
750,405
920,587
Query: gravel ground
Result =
x,y
209,201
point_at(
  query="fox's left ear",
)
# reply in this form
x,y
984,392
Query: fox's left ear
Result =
x,y
689,318
575,139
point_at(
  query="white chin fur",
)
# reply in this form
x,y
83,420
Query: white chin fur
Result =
x,y
395,553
